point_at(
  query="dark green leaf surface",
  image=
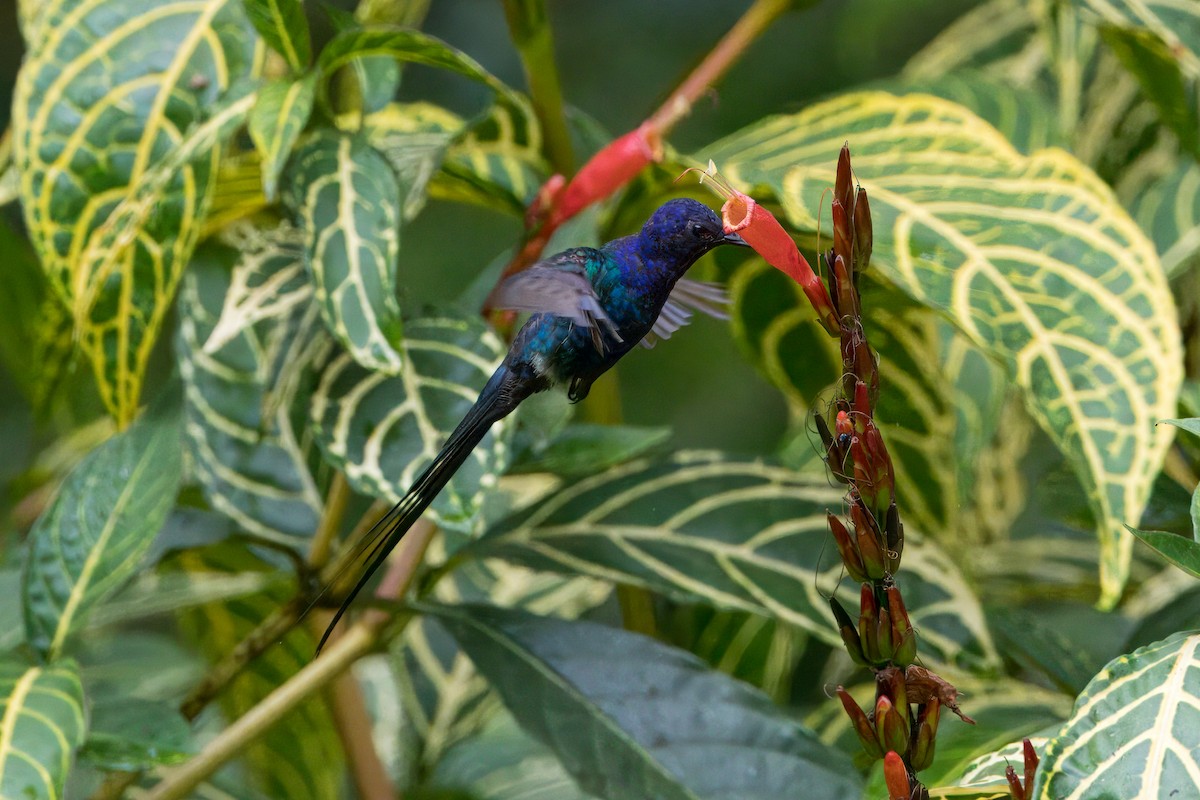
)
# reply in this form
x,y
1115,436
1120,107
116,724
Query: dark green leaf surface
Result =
x,y
630,717
443,698
136,734
384,430
105,96
733,534
90,540
1030,256
585,449
413,137
1180,551
1135,730
504,763
284,27
248,325
42,721
279,114
345,194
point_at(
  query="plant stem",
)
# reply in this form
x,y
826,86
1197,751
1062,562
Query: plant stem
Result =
x,y
733,44
359,640
331,520
529,27
354,729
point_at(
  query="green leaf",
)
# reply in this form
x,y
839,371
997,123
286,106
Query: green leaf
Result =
x,y
1191,424
345,193
585,449
997,36
1024,115
383,430
443,698
988,770
1133,730
300,756
404,45
1168,209
248,328
1152,62
374,79
413,137
1031,257
117,161
91,539
284,28
503,762
736,535
498,162
281,112
1179,550
1176,24
42,721
136,734
630,717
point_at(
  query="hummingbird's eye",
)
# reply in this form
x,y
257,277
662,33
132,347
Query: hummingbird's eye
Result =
x,y
701,232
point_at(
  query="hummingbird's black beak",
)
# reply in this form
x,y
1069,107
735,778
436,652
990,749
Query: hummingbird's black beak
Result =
x,y
733,238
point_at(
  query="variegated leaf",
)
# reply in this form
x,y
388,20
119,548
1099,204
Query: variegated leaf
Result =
x,y
106,94
940,399
1134,729
279,114
90,540
1175,22
383,430
404,45
1169,211
631,717
733,534
300,756
502,762
284,27
1031,257
413,137
345,194
998,36
248,326
42,721
988,770
498,162
10,184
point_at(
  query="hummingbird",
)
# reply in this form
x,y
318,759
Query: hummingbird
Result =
x,y
590,307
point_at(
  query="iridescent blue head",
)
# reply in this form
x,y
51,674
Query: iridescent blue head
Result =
x,y
681,231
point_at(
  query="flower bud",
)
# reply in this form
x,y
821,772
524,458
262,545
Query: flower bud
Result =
x,y
892,732
1031,763
895,775
923,747
883,636
903,638
845,296
1014,783
862,725
843,187
863,236
849,633
873,559
868,623
847,550
842,235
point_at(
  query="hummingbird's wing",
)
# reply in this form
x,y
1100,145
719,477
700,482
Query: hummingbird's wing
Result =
x,y
687,296
558,285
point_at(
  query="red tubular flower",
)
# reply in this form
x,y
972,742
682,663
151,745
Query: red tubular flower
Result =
x,y
895,775
615,165
862,726
758,226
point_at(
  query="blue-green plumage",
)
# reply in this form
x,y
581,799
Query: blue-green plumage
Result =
x,y
592,305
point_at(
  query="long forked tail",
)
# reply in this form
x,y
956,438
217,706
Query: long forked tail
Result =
x,y
495,402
